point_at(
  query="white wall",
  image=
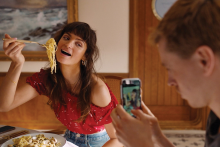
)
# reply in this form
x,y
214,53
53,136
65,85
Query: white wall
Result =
x,y
110,20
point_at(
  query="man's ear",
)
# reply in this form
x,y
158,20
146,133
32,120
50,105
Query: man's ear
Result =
x,y
206,58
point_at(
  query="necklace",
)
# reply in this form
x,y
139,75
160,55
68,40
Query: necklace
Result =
x,y
74,88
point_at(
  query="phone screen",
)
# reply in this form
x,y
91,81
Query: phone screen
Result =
x,y
131,95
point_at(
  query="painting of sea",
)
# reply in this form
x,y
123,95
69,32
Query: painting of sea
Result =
x,y
35,20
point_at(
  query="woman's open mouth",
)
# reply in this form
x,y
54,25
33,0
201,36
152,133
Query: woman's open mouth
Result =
x,y
65,53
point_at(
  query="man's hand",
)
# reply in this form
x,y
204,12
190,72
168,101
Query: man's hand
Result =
x,y
143,131
131,131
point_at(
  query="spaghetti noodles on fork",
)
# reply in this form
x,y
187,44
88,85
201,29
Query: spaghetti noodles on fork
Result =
x,y
51,49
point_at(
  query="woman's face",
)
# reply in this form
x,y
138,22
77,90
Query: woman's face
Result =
x,y
133,95
70,49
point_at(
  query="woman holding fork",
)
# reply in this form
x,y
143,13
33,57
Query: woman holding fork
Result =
x,y
79,98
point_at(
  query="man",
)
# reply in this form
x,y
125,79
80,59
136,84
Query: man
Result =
x,y
188,40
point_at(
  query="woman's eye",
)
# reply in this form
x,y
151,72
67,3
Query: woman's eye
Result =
x,y
79,44
65,37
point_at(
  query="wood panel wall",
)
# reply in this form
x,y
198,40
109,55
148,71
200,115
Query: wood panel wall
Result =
x,y
144,62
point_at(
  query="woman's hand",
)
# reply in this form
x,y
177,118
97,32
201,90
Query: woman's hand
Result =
x,y
13,49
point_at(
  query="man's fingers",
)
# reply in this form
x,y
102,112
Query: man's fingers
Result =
x,y
114,116
141,115
121,112
118,113
141,94
120,117
145,109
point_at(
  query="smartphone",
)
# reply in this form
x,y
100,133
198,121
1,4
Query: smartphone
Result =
x,y
6,129
131,94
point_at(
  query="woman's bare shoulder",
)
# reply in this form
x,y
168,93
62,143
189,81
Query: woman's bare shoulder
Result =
x,y
100,93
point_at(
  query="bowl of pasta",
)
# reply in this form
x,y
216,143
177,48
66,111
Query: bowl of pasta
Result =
x,y
36,140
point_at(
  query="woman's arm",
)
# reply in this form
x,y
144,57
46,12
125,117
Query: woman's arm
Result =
x,y
113,142
101,97
10,95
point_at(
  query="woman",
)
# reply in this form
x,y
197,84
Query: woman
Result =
x,y
134,98
80,100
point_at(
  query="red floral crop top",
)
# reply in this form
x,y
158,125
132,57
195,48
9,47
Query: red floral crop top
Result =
x,y
94,122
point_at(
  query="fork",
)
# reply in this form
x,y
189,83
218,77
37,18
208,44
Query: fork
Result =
x,y
25,41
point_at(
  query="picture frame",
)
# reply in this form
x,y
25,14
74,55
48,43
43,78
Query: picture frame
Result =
x,y
72,9
160,7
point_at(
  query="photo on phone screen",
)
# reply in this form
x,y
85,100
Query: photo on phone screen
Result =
x,y
130,94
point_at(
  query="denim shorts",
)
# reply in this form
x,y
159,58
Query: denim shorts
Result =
x,y
87,140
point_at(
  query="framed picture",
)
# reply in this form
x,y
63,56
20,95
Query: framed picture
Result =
x,y
34,20
160,7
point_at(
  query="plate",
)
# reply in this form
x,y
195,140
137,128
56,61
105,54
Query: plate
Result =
x,y
59,138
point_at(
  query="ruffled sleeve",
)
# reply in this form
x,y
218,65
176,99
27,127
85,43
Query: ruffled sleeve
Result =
x,y
101,115
37,81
